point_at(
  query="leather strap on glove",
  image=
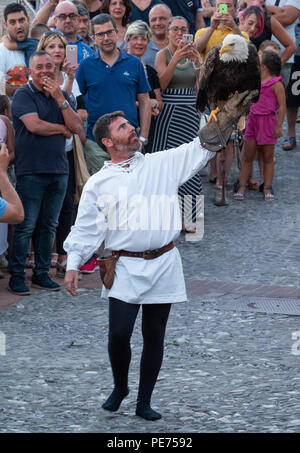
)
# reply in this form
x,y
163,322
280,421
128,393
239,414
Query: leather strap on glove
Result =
x,y
215,135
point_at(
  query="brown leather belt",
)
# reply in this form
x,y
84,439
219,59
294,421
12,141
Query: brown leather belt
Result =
x,y
147,255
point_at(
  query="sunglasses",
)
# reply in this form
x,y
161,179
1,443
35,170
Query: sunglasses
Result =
x,y
53,33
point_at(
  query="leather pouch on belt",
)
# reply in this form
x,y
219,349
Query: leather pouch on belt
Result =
x,y
107,266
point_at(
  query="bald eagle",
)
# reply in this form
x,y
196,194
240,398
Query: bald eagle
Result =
x,y
228,68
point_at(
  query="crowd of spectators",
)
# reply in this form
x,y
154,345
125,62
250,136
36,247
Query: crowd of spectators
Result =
x,y
77,60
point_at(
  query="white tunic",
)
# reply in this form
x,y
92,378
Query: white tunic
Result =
x,y
136,209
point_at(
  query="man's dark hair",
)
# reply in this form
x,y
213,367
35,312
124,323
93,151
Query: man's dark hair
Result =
x,y
234,2
38,53
101,127
82,11
104,8
272,61
269,43
4,103
14,8
101,19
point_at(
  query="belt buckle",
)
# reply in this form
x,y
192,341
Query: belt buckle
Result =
x,y
150,254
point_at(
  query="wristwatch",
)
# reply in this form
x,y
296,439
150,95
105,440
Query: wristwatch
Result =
x,y
144,140
64,105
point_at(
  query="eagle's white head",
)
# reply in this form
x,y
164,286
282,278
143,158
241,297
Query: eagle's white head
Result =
x,y
234,48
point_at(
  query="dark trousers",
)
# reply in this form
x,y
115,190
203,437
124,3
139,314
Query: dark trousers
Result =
x,y
42,197
122,316
66,214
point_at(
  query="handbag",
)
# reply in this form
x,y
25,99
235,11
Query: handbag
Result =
x,y
81,171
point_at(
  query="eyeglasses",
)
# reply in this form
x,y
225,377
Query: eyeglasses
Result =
x,y
71,16
101,34
177,29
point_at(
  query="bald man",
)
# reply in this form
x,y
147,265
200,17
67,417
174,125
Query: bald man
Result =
x,y
66,20
159,17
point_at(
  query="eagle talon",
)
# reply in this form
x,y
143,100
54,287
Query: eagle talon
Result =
x,y
213,114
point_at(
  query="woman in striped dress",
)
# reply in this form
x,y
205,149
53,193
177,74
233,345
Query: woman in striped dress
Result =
x,y
179,122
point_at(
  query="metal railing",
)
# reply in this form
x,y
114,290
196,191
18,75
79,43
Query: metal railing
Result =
x,y
30,6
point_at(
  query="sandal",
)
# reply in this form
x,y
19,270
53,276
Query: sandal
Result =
x,y
53,260
240,196
61,269
253,185
270,195
30,261
289,143
189,231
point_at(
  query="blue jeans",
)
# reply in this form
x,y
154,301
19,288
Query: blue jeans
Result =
x,y
42,197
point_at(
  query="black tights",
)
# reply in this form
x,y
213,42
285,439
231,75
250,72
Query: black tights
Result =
x,y
122,316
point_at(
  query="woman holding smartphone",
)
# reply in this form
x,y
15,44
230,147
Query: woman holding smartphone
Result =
x,y
177,66
54,43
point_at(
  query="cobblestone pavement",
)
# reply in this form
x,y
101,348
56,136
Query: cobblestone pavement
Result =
x,y
223,371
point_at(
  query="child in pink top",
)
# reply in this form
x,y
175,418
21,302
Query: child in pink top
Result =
x,y
264,124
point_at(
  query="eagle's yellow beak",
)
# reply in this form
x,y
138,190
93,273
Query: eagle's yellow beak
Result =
x,y
226,48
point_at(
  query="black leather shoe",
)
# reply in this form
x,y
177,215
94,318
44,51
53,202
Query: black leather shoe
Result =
x,y
17,286
43,281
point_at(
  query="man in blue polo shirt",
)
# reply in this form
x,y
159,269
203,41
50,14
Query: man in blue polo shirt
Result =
x,y
42,119
114,80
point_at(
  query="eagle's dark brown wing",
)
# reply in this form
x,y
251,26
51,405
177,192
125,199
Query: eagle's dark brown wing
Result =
x,y
219,80
204,98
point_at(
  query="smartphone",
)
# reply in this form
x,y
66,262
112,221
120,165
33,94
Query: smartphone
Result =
x,y
71,54
187,39
223,8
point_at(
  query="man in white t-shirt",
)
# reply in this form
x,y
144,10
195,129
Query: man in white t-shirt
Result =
x,y
287,12
12,62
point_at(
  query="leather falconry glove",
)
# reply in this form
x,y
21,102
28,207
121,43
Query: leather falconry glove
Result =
x,y
215,135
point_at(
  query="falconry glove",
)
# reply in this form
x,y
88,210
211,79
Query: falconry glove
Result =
x,y
215,135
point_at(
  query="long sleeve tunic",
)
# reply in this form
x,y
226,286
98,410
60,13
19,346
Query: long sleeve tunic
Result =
x,y
136,208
